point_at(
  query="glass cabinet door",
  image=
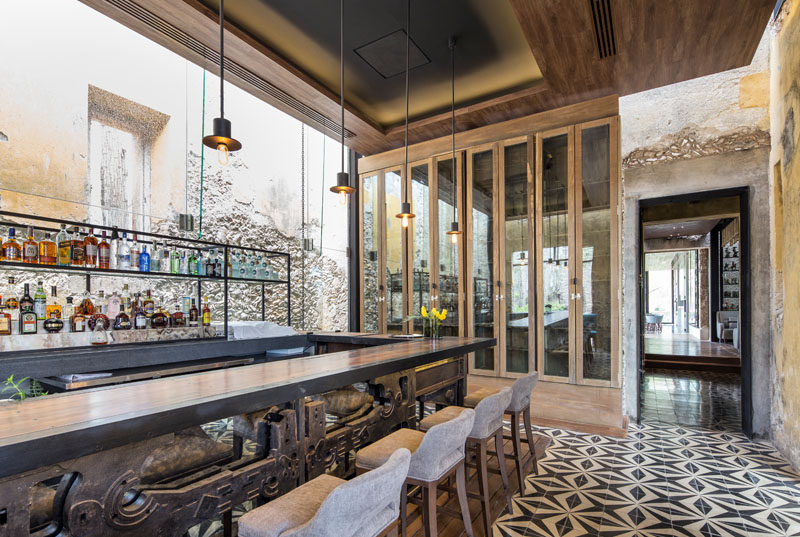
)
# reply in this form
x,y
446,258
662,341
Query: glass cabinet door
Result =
x,y
448,288
371,255
554,170
516,260
420,243
485,290
394,247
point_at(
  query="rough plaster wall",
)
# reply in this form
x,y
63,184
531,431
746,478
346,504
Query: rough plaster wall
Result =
x,y
728,170
785,99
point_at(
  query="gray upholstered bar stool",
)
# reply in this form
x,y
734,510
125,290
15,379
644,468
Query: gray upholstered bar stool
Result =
x,y
435,455
520,406
488,424
327,506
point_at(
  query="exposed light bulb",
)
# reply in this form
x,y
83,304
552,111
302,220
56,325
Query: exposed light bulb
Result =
x,y
454,238
223,157
405,221
342,198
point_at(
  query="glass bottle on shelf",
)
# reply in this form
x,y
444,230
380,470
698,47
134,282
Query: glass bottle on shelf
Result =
x,y
64,246
53,324
135,253
206,313
77,320
77,249
30,248
27,314
160,318
165,260
55,304
5,320
99,335
140,319
184,264
113,250
177,318
194,315
144,260
113,306
201,263
124,254
12,304
86,305
155,258
40,302
210,263
12,250
103,252
125,300
192,263
91,246
99,301
148,304
175,262
122,321
69,311
48,251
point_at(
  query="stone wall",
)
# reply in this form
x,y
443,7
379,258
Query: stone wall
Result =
x,y
785,178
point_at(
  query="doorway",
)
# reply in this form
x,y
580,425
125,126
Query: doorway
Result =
x,y
694,364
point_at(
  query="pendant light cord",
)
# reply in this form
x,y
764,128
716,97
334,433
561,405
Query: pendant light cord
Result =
x,y
222,59
452,44
408,40
341,70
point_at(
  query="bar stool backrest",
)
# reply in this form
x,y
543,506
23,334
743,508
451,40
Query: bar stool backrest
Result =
x,y
442,446
362,506
489,413
522,389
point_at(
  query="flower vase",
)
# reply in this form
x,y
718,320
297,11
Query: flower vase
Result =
x,y
435,329
426,327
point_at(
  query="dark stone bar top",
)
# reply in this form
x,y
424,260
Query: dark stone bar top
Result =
x,y
51,429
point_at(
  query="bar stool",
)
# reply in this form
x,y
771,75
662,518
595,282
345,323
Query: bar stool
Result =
x,y
327,506
488,424
520,406
435,455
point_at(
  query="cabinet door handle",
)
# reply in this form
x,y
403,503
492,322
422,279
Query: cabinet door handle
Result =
x,y
502,297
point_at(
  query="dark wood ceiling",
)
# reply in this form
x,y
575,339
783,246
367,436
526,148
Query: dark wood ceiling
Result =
x,y
656,43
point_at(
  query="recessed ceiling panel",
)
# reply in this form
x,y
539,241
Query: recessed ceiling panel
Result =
x,y
387,54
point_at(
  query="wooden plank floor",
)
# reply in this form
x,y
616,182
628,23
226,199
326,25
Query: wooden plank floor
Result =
x,y
683,351
454,527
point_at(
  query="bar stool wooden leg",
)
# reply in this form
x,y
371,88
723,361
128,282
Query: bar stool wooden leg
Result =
x,y
429,509
517,450
526,419
501,461
483,483
403,504
461,486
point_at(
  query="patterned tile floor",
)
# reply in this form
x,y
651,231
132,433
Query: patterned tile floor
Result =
x,y
662,480
704,399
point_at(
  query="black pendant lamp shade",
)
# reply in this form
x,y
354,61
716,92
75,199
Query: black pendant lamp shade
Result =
x,y
405,213
342,186
454,231
221,139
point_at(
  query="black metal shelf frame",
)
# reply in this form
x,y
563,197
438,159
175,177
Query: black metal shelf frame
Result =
x,y
180,242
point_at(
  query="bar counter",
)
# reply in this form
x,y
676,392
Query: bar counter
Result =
x,y
48,430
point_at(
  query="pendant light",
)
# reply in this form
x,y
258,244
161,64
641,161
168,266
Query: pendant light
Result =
x,y
342,186
221,139
405,213
454,231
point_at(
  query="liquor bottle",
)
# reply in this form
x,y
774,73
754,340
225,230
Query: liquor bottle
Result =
x,y
113,306
201,263
218,270
100,302
124,254
64,246
211,263
5,320
148,304
30,248
54,305
113,252
77,321
69,311
48,251
144,260
155,258
178,319
160,318
103,252
184,264
12,305
165,260
140,320
175,262
122,321
91,249
135,251
27,315
86,305
194,315
99,335
192,263
40,302
77,249
53,323
206,313
12,250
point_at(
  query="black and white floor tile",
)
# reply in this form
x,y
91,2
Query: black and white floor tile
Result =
x,y
662,480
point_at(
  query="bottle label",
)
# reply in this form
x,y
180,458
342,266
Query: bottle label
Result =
x,y
144,264
40,307
149,309
91,251
141,321
5,324
53,308
113,306
80,325
125,262
28,323
207,318
11,253
78,253
31,251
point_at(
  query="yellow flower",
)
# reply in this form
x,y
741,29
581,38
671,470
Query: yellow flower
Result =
x,y
444,315
424,312
435,312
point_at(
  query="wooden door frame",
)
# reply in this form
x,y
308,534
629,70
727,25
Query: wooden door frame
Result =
x,y
408,264
493,147
381,231
614,171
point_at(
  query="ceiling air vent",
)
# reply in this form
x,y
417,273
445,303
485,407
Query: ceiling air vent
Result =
x,y
603,27
179,36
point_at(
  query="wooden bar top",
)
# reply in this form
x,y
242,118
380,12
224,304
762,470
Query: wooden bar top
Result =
x,y
46,430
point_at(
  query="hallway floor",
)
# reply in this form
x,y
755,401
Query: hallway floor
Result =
x,y
686,345
662,480
706,399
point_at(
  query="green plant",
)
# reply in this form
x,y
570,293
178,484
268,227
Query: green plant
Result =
x,y
14,385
